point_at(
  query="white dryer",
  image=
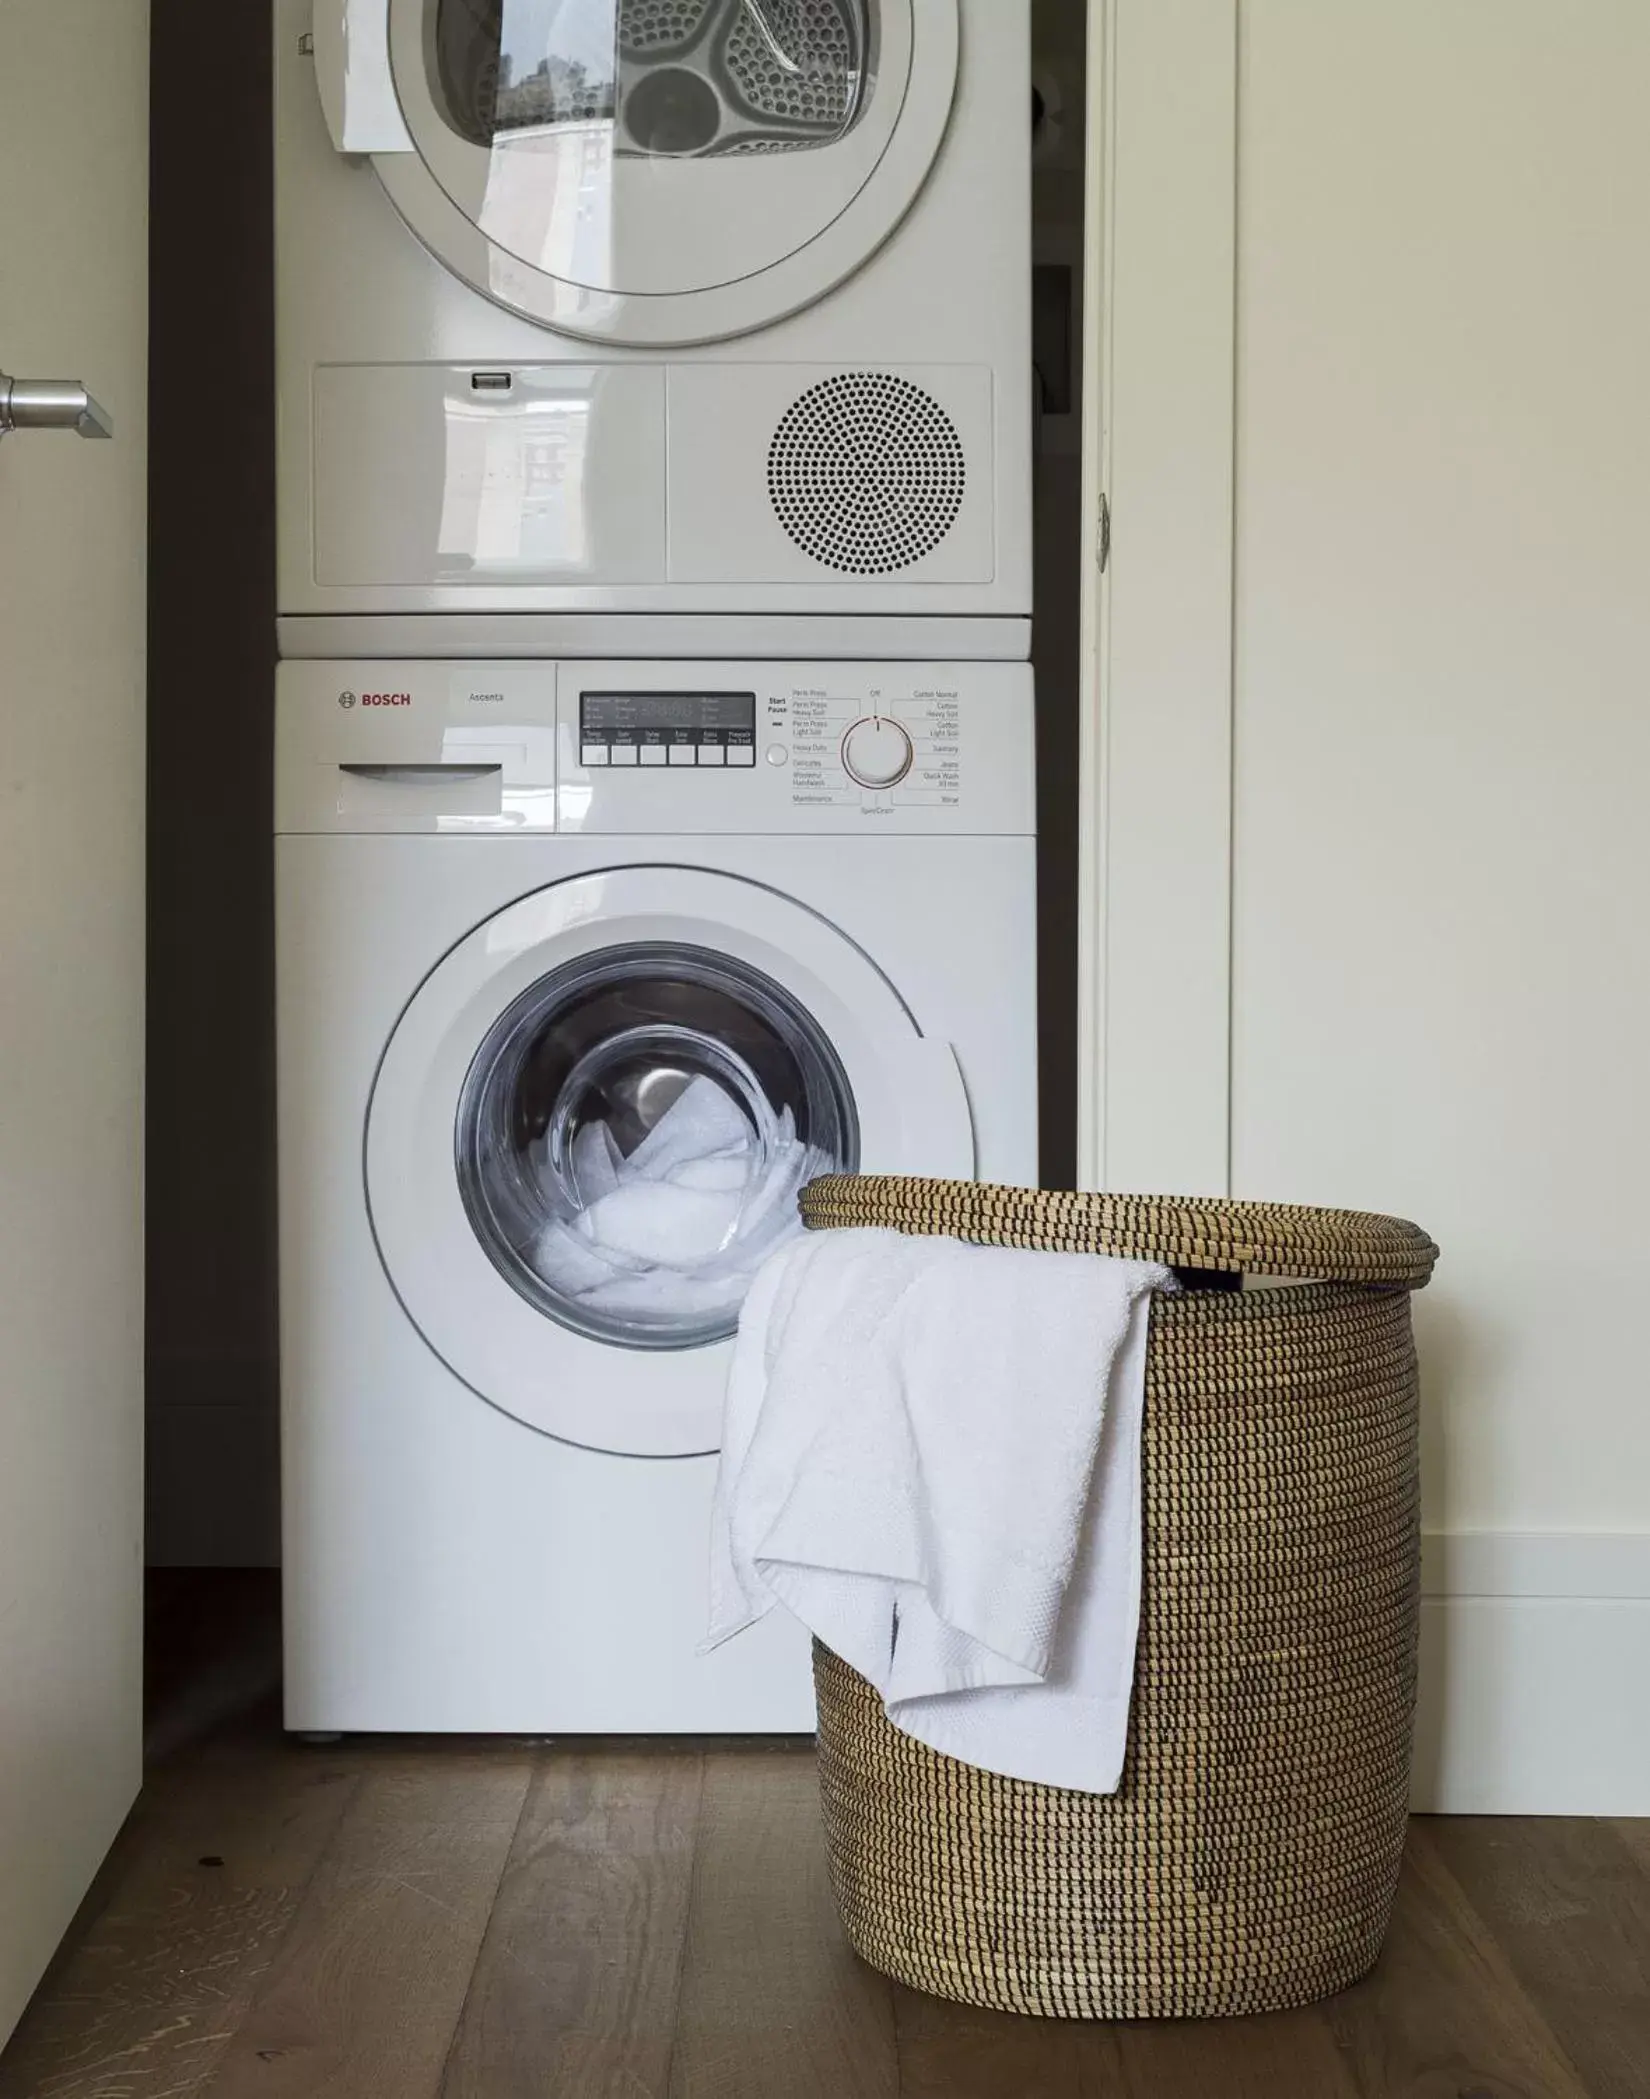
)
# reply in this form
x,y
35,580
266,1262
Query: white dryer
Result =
x,y
656,307
525,912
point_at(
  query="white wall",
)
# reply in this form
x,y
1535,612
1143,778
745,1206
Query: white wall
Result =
x,y
1441,965
1439,722
1442,811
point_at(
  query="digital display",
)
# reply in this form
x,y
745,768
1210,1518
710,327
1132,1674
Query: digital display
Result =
x,y
634,715
706,731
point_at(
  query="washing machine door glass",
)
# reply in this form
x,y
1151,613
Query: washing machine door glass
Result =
x,y
634,1132
590,1124
665,170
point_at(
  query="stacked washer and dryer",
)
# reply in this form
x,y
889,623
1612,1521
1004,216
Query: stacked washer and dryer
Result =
x,y
654,795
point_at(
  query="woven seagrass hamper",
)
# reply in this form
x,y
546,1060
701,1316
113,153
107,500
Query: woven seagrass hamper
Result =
x,y
1249,1859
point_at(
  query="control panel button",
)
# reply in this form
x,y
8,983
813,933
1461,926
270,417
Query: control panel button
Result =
x,y
778,755
741,754
593,754
877,752
654,754
683,753
622,754
712,754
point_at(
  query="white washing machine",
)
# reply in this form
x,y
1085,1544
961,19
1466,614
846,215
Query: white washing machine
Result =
x,y
534,918
678,309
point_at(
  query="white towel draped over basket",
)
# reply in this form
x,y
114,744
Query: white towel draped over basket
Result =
x,y
931,1456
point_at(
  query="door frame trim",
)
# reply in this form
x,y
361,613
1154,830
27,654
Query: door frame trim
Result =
x,y
1156,705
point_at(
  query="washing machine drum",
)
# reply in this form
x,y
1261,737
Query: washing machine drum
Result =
x,y
664,171
633,1134
591,1125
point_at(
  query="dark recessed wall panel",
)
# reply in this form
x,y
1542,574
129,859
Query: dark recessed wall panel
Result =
x,y
211,1171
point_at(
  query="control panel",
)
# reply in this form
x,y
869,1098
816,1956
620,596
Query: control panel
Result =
x,y
656,748
848,748
844,740
893,743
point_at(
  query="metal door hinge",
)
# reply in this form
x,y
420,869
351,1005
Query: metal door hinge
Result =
x,y
1104,554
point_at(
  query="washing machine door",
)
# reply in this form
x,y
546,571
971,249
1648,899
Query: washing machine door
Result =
x,y
664,171
591,1123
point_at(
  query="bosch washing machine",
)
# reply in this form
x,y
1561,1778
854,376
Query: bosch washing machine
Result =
x,y
512,948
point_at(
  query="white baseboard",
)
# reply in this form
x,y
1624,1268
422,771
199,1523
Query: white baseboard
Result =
x,y
1535,1674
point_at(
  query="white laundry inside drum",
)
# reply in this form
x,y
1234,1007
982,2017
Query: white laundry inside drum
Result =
x,y
681,1225
634,1135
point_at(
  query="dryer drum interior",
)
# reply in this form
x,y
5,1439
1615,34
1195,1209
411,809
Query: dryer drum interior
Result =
x,y
677,78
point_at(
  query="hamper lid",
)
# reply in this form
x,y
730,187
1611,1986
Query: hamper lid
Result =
x,y
1182,1231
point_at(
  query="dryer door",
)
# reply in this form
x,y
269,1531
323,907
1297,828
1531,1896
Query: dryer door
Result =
x,y
591,1123
661,172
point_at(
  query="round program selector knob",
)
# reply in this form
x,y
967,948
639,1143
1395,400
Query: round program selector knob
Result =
x,y
877,752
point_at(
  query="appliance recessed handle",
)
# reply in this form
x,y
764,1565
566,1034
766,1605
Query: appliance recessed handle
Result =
x,y
404,775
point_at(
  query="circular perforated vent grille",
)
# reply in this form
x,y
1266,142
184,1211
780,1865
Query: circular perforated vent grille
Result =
x,y
866,473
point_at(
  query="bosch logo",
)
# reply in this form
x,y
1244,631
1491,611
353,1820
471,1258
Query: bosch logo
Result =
x,y
346,699
386,699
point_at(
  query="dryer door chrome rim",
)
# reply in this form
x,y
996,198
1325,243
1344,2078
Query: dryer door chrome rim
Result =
x,y
664,172
556,1016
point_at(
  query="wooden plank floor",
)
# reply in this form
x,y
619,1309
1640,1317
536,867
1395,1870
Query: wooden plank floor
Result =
x,y
504,1920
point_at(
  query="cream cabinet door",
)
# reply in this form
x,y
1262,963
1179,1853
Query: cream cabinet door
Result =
x,y
74,174
1369,755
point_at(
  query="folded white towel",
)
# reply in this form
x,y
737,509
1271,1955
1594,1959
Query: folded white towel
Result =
x,y
931,1456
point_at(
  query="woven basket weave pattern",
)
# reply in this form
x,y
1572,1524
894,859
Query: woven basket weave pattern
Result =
x,y
1249,1859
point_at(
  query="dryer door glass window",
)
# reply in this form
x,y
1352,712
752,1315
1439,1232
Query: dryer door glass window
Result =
x,y
673,79
633,1134
653,147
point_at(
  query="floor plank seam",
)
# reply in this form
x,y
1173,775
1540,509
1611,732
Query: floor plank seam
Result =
x,y
203,2086
684,1949
1503,1970
529,1794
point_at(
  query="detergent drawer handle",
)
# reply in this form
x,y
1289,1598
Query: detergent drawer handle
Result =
x,y
435,774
